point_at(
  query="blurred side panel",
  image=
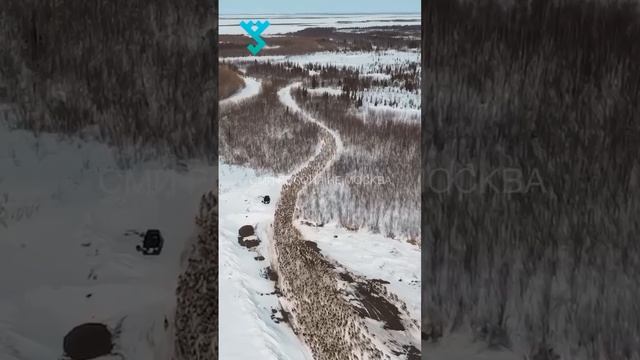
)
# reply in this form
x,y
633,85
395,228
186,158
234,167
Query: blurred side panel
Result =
x,y
530,179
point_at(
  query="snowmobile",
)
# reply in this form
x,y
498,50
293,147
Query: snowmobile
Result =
x,y
152,243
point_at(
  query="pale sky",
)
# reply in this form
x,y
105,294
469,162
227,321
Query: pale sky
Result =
x,y
317,6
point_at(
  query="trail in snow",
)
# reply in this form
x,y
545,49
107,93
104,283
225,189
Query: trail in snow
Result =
x,y
287,99
252,87
247,299
322,309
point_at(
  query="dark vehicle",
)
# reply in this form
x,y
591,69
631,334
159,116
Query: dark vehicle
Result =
x,y
152,243
88,341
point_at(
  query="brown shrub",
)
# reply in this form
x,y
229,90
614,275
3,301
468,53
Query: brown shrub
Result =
x,y
229,81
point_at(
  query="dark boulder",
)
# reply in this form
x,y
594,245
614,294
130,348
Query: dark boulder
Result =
x,y
88,341
246,230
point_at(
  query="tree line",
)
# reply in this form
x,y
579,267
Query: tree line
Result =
x,y
142,73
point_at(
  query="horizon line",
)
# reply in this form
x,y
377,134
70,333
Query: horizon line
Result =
x,y
325,13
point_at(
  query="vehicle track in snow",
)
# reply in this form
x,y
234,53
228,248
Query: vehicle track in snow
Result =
x,y
252,87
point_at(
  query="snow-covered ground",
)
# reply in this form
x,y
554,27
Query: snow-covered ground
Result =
x,y
251,88
246,301
377,76
390,98
246,296
325,90
353,261
400,105
369,63
373,256
463,347
67,250
282,24
368,112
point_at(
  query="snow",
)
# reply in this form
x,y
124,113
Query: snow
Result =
x,y
368,62
245,314
462,347
407,104
377,76
407,107
360,256
373,256
249,332
252,87
370,112
64,209
325,90
401,105
372,245
282,24
404,100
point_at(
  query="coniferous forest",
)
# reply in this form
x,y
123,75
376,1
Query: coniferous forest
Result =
x,y
142,74
531,175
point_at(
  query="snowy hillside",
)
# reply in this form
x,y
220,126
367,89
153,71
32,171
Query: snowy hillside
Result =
x,y
298,289
256,314
246,295
69,224
374,256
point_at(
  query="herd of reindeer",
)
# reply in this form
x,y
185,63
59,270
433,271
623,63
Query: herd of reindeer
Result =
x,y
329,325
